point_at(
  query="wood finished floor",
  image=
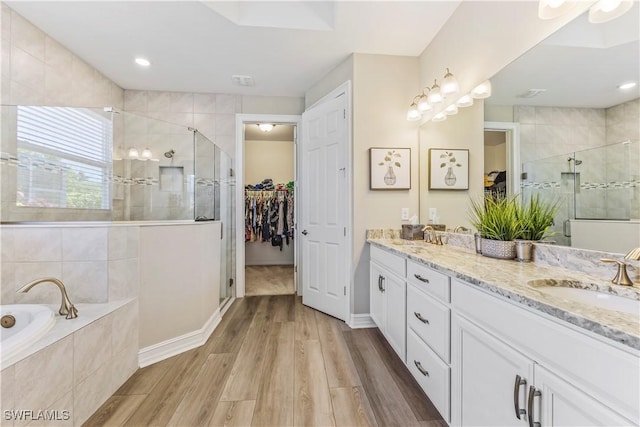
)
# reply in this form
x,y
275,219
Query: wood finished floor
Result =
x,y
269,280
275,362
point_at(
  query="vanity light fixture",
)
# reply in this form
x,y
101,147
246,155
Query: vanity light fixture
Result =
x,y
142,62
435,96
450,85
550,9
440,117
146,154
628,85
413,114
465,101
607,10
482,91
133,153
451,110
266,127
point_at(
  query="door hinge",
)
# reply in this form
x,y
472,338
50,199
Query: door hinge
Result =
x,y
230,281
345,290
295,269
345,231
221,230
344,114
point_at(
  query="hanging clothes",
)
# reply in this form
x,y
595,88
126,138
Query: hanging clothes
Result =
x,y
269,216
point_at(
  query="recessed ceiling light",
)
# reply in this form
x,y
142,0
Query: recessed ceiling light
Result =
x,y
142,61
627,85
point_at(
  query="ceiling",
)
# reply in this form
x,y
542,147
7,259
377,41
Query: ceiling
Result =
x,y
197,46
580,65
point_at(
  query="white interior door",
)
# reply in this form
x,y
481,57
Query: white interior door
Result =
x,y
323,192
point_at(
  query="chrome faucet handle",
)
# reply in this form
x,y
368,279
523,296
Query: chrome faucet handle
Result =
x,y
621,277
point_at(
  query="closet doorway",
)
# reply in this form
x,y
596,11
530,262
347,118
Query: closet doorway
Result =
x,y
269,208
501,158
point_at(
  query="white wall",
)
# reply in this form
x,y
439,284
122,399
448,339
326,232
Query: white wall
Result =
x,y
268,159
465,130
606,236
179,279
495,151
341,73
272,105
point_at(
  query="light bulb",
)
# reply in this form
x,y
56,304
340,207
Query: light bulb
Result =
x,y
550,9
554,4
133,153
449,84
413,114
435,97
607,10
423,104
440,117
451,110
465,101
629,85
143,62
146,153
483,90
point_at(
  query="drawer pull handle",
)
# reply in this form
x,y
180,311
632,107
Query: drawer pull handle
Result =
x,y
533,392
422,279
420,318
421,369
516,395
382,283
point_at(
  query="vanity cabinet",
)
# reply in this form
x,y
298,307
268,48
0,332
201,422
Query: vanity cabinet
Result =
x,y
512,367
387,297
486,360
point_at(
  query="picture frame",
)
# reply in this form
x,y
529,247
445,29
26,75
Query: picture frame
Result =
x,y
389,168
448,169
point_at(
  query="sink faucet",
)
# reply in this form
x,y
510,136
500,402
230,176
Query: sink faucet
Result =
x,y
430,235
460,228
621,277
66,308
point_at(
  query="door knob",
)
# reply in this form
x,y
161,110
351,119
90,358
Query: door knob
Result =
x,y
305,232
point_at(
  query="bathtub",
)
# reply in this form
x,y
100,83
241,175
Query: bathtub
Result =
x,y
32,323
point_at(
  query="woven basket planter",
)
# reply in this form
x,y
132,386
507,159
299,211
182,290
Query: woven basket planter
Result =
x,y
501,249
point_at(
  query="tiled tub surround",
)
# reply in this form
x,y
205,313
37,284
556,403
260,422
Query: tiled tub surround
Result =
x,y
77,366
509,280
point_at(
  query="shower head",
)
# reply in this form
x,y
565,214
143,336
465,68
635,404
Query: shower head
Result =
x,y
169,154
573,159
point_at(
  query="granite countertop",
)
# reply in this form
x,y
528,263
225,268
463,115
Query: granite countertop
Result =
x,y
509,279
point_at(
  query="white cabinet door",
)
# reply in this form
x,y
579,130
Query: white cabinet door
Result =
x,y
376,295
561,404
395,290
484,378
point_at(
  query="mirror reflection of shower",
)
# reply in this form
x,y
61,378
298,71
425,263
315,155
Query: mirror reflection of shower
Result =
x,y
576,162
169,154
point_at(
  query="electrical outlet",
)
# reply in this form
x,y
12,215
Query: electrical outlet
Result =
x,y
404,214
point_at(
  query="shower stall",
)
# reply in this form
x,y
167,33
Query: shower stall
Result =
x,y
601,183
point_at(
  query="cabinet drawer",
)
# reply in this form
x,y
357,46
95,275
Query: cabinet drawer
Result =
x,y
431,373
430,320
428,280
394,263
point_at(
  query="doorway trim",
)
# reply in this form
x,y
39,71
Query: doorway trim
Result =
x,y
512,131
241,120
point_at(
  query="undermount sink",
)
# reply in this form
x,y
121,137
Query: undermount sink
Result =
x,y
587,294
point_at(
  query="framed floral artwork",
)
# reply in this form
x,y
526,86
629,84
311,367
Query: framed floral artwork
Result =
x,y
390,168
448,169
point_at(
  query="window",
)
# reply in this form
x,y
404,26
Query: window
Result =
x,y
64,157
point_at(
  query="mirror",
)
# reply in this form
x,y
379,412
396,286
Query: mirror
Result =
x,y
579,129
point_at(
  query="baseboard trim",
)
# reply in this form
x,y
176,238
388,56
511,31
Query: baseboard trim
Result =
x,y
360,321
174,346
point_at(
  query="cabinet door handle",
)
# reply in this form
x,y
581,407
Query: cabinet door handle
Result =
x,y
420,318
533,392
382,283
421,369
516,395
422,279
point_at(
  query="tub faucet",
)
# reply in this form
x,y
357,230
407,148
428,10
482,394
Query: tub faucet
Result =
x,y
66,308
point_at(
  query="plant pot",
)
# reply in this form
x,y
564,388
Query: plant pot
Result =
x,y
524,250
501,249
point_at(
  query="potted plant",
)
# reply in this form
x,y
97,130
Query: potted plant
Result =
x,y
498,224
537,218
